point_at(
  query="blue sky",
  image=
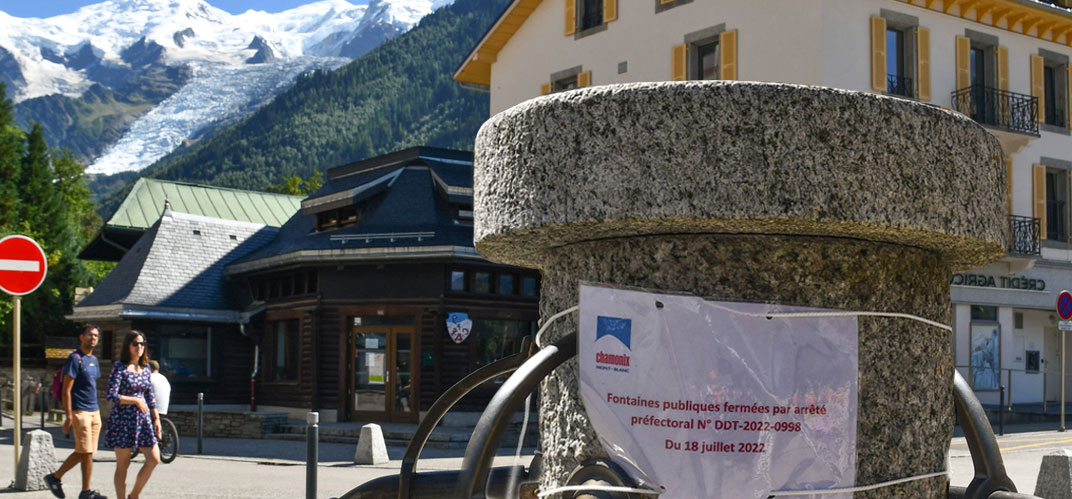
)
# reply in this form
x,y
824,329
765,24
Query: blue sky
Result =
x,y
48,8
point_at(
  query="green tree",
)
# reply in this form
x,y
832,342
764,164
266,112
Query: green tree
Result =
x,y
295,186
44,196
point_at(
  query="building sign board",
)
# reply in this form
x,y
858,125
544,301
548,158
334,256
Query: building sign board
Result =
x,y
459,325
713,399
1001,282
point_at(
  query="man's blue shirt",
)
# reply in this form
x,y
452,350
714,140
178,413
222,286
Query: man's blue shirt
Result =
x,y
85,369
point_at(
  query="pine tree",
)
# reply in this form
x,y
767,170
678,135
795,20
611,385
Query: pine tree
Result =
x,y
10,162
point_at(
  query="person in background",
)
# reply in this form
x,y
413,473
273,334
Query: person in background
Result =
x,y
161,388
80,375
133,421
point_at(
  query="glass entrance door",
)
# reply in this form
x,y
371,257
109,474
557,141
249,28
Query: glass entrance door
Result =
x,y
383,381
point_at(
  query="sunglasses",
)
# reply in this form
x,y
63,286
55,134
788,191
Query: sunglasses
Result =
x,y
138,343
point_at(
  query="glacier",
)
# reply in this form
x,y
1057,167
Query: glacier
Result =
x,y
216,93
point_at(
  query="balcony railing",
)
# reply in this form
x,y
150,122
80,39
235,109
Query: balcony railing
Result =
x,y
999,108
1024,236
898,85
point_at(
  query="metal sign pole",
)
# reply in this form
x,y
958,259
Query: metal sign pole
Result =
x,y
17,370
1062,381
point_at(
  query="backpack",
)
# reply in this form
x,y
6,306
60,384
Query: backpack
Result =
x,y
57,380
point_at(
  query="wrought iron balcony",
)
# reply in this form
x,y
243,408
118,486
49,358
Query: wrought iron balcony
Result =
x,y
899,85
999,108
1024,235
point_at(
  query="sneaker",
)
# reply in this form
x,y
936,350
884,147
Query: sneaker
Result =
x,y
54,485
91,494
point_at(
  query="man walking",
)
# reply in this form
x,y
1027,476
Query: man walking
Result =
x,y
80,375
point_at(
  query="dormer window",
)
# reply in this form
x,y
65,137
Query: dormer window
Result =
x,y
337,218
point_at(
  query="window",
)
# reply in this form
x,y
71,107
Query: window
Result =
x,y
495,339
457,280
1055,93
1056,204
285,349
897,80
590,14
184,350
707,61
1018,320
984,313
337,218
481,282
463,214
561,84
528,286
506,284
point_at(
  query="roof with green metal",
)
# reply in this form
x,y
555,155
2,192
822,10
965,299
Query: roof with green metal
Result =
x,y
143,206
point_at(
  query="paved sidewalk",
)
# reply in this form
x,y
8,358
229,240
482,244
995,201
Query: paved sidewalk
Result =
x,y
237,468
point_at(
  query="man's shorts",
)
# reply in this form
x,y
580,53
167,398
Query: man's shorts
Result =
x,y
86,430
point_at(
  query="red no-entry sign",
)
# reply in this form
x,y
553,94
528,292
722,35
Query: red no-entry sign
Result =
x,y
22,265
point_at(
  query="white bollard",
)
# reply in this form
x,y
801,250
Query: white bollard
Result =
x,y
371,448
1055,476
37,460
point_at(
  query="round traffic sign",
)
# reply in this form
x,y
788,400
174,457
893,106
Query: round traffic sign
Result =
x,y
1064,305
22,265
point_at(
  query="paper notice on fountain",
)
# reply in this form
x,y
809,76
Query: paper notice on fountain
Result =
x,y
712,399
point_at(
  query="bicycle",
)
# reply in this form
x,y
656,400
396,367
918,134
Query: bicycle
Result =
x,y
169,442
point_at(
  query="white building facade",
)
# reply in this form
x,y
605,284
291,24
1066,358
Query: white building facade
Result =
x,y
1005,63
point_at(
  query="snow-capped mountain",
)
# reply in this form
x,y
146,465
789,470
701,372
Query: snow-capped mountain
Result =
x,y
238,61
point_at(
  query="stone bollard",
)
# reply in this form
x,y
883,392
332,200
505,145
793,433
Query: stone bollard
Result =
x,y
37,460
1055,475
371,448
753,192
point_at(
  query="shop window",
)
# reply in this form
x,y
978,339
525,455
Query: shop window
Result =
x,y
984,313
528,286
457,280
481,282
1056,204
495,339
506,284
185,351
285,349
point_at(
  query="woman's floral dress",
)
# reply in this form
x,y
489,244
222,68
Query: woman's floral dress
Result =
x,y
128,427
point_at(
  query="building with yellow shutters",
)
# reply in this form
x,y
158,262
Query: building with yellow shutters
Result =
x,y
1004,63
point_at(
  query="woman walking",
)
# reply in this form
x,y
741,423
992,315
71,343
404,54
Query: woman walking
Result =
x,y
133,421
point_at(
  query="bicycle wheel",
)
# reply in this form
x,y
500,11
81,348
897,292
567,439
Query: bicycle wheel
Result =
x,y
169,444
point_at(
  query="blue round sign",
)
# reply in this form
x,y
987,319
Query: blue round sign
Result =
x,y
1064,305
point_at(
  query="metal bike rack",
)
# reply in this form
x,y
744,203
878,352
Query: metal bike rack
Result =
x,y
477,478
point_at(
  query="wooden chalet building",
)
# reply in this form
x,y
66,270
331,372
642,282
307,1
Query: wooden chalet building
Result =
x,y
358,286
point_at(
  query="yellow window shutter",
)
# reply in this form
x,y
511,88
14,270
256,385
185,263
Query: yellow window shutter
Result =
x,y
1068,97
728,43
1008,180
680,54
1039,197
610,10
923,64
584,79
545,88
1003,67
878,54
571,17
963,62
1038,87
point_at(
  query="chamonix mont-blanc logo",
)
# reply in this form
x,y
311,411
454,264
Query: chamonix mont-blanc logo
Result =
x,y
622,330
